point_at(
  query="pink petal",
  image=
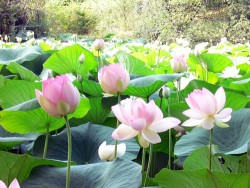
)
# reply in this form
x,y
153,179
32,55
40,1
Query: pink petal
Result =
x,y
224,113
137,108
123,111
124,132
14,184
138,124
191,123
226,119
151,136
53,92
2,184
158,114
208,103
208,123
49,107
109,81
149,112
194,113
164,124
70,95
38,94
220,98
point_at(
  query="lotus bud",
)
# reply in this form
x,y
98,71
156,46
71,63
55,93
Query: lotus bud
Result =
x,y
113,78
165,92
59,96
81,58
98,44
79,78
179,64
107,152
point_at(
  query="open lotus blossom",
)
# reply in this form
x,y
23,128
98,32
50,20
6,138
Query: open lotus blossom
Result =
x,y
113,78
98,44
59,96
231,72
143,119
107,152
206,109
14,184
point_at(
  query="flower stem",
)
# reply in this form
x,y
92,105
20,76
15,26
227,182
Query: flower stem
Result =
x,y
169,148
143,160
169,140
210,149
69,151
46,142
117,122
149,163
99,59
178,89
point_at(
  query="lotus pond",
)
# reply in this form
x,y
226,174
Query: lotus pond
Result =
x,y
124,113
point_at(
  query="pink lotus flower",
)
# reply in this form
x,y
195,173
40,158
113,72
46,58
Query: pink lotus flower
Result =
x,y
143,119
98,44
14,184
59,96
113,78
206,109
179,64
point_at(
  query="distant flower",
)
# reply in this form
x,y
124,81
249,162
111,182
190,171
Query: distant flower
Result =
x,y
179,64
185,81
59,96
200,47
182,42
14,184
98,44
223,39
231,72
113,78
143,119
107,152
206,109
19,39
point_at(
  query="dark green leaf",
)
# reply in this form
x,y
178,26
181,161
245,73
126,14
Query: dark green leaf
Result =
x,y
86,140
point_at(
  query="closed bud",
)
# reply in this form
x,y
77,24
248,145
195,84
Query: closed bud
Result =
x,y
79,78
107,152
165,92
81,58
98,44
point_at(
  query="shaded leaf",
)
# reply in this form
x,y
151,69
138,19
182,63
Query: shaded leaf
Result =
x,y
232,140
119,173
86,140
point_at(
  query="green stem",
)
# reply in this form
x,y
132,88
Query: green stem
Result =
x,y
149,163
46,142
69,152
210,149
206,74
143,160
169,140
169,148
81,87
178,89
117,122
99,59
